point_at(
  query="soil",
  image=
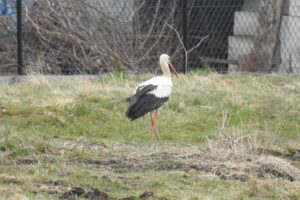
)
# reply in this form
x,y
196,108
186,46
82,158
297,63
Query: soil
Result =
x,y
260,166
166,158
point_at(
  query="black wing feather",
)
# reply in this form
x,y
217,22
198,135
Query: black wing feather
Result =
x,y
140,91
142,102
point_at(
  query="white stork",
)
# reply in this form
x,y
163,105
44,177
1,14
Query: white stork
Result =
x,y
152,94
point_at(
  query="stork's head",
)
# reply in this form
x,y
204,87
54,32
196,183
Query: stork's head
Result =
x,y
166,65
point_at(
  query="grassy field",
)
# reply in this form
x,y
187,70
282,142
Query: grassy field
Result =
x,y
230,136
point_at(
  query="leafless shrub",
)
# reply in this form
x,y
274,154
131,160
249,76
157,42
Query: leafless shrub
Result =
x,y
88,36
8,48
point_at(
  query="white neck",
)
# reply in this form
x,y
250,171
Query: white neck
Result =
x,y
165,69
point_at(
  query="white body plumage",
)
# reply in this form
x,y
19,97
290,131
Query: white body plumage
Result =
x,y
163,89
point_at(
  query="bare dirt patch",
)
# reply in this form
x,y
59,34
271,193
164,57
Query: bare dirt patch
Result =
x,y
181,159
134,158
173,157
90,193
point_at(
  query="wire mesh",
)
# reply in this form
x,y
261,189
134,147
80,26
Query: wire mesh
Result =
x,y
213,18
95,36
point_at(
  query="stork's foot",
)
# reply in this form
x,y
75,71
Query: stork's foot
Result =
x,y
154,135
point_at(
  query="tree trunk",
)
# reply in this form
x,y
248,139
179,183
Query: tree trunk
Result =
x,y
269,19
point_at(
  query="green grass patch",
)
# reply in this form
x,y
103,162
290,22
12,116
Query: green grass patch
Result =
x,y
96,109
43,124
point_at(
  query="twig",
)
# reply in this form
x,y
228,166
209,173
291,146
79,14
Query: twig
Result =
x,y
159,36
197,45
225,122
153,23
186,52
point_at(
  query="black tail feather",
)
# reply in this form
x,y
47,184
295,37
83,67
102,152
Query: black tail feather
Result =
x,y
143,105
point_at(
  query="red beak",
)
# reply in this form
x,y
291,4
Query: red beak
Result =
x,y
173,70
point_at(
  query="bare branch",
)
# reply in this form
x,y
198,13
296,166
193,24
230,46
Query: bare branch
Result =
x,y
178,36
197,45
184,48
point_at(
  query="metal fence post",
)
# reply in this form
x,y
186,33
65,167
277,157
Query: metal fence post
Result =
x,y
19,37
185,30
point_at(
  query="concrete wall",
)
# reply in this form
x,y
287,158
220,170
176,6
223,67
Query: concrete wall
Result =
x,y
121,10
290,44
294,8
253,5
245,25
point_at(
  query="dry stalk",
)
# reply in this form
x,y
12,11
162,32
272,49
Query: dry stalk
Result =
x,y
230,144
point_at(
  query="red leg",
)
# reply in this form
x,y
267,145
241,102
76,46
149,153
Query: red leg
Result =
x,y
156,114
154,124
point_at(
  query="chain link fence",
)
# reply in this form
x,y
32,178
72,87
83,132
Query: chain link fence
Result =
x,y
95,36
